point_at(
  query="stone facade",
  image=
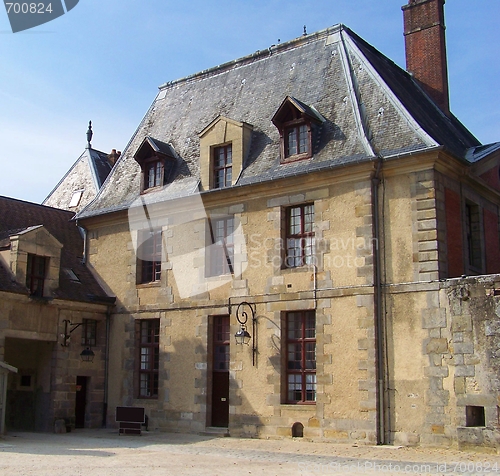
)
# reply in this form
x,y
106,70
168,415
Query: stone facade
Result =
x,y
424,381
402,201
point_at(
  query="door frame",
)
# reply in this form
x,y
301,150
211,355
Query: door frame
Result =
x,y
81,411
212,345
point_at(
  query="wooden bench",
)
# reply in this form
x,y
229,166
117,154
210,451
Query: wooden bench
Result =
x,y
130,419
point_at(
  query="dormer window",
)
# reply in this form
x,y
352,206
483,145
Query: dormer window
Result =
x,y
297,124
157,161
296,140
224,145
153,174
223,166
35,274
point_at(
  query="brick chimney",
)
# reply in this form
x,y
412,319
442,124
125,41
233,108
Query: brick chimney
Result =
x,y
114,156
426,49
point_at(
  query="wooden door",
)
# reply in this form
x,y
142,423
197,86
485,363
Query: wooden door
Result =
x,y
220,372
81,401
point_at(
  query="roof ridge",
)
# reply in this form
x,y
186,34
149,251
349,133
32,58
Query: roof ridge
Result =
x,y
3,197
259,54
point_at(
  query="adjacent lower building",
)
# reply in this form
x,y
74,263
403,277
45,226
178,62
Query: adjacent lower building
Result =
x,y
53,322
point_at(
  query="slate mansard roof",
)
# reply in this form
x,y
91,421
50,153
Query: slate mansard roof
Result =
x,y
372,108
17,216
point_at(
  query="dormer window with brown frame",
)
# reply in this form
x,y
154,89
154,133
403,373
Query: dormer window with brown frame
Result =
x,y
223,166
224,145
157,161
153,174
35,274
297,124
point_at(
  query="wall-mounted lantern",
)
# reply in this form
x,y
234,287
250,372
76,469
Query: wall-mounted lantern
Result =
x,y
243,336
87,355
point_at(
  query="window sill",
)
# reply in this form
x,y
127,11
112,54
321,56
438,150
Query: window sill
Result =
x,y
301,406
153,284
298,269
40,299
152,189
219,277
473,271
295,158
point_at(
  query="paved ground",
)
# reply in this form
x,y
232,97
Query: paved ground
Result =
x,y
105,453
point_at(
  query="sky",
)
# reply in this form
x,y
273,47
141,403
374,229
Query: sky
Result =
x,y
104,60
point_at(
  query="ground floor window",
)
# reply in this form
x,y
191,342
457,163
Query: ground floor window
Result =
x,y
300,357
149,357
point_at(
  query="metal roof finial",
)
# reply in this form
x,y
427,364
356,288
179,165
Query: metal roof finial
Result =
x,y
89,135
305,31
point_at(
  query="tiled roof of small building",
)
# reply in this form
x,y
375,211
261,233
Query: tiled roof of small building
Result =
x,y
371,108
102,166
17,216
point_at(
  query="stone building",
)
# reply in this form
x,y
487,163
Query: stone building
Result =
x,y
322,203
53,322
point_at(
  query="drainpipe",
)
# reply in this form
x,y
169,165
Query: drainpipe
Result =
x,y
106,370
315,285
84,232
378,311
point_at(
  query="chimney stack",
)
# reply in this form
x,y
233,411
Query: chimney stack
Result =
x,y
426,49
114,156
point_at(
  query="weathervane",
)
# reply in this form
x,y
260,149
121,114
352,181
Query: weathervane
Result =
x,y
89,135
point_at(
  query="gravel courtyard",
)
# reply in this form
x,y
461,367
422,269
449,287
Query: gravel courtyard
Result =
x,y
105,453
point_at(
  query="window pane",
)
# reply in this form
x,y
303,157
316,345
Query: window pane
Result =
x,y
310,388
295,221
149,357
150,177
222,249
221,361
301,356
291,142
149,256
294,356
158,174
294,326
310,355
89,332
145,364
294,388
222,169
144,385
302,139
308,218
300,236
219,157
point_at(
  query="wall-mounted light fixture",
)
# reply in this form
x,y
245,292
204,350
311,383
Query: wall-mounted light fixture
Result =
x,y
87,355
243,336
